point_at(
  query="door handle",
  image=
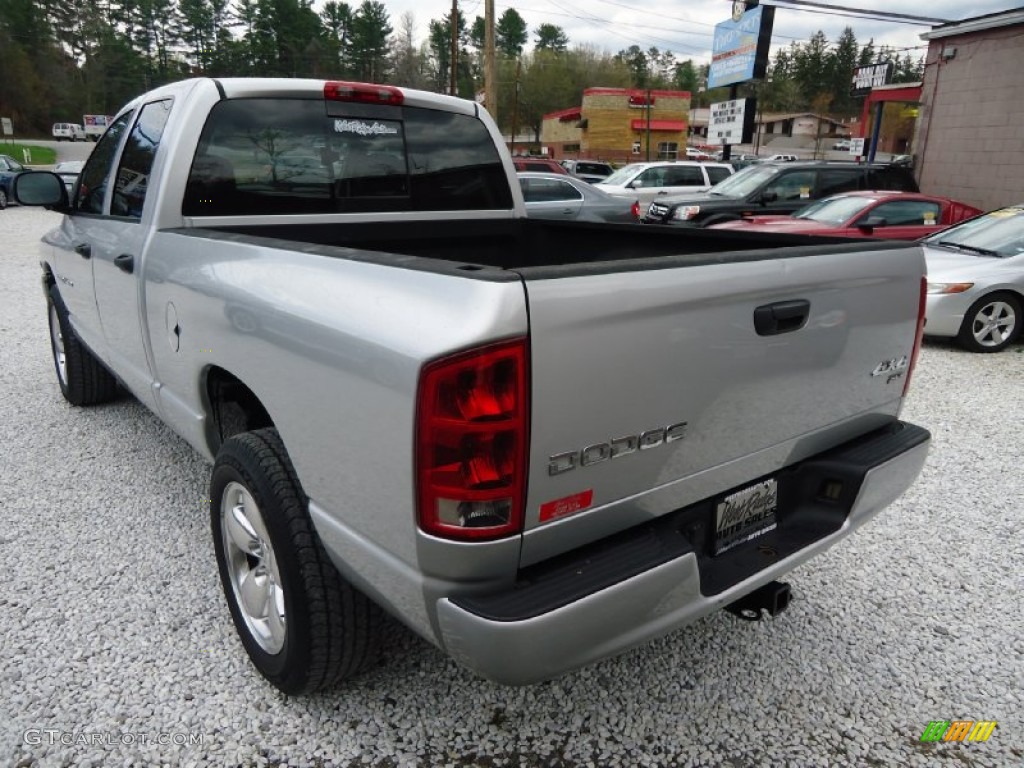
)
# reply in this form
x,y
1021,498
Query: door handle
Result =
x,y
84,250
125,262
781,317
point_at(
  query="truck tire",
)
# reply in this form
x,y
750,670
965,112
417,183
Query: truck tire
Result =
x,y
992,323
83,379
304,627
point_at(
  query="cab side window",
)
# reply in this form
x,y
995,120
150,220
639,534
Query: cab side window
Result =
x,y
137,160
95,176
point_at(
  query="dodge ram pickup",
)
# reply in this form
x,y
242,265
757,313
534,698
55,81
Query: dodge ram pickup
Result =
x,y
535,443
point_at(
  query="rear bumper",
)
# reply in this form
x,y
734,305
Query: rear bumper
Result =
x,y
642,583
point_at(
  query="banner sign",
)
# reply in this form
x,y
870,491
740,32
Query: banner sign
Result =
x,y
739,51
871,76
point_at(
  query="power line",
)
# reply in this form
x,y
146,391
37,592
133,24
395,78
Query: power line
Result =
x,y
901,18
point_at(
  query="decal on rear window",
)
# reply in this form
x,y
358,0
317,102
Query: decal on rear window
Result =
x,y
363,128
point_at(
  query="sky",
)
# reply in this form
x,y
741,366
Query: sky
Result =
x,y
685,27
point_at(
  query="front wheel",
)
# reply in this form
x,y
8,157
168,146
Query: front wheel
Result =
x,y
304,627
991,323
3,199
83,379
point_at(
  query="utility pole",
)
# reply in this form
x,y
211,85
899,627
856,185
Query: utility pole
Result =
x,y
490,86
454,53
648,125
515,107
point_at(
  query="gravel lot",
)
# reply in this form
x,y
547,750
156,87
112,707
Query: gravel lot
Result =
x,y
114,634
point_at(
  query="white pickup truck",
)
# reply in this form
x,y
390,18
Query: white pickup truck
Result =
x,y
536,443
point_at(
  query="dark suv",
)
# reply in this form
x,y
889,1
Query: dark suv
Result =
x,y
775,188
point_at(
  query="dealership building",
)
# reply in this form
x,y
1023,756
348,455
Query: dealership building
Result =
x,y
618,124
970,133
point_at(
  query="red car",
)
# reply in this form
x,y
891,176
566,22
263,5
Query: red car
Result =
x,y
889,215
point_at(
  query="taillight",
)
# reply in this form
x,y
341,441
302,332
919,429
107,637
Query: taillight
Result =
x,y
636,209
920,334
471,442
364,93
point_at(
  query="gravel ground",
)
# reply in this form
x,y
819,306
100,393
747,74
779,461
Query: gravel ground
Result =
x,y
114,635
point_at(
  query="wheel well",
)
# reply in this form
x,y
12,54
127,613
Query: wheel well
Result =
x,y
233,408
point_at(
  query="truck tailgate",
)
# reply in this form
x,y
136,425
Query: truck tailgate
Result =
x,y
655,388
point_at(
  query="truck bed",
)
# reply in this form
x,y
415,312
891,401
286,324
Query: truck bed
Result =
x,y
533,243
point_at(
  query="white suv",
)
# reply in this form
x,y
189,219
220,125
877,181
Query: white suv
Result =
x,y
646,181
68,132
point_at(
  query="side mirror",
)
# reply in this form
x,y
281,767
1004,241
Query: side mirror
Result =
x,y
40,188
871,222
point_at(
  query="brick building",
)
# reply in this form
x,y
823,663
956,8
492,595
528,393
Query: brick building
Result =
x,y
970,139
611,124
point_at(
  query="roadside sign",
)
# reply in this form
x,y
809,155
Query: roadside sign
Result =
x,y
857,147
8,127
731,122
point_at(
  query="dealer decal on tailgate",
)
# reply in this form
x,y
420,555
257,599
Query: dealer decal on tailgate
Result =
x,y
567,506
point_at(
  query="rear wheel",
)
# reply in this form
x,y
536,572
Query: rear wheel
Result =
x,y
302,624
83,379
992,323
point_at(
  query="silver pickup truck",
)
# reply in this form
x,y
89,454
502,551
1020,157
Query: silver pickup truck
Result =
x,y
535,443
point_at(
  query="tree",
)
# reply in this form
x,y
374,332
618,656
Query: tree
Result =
x,y
686,77
843,60
635,61
408,67
336,18
550,38
371,28
510,34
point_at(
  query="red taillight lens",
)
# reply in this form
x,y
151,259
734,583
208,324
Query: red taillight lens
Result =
x,y
471,443
636,209
922,303
365,93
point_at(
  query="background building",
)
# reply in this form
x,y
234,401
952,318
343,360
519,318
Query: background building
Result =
x,y
970,140
613,124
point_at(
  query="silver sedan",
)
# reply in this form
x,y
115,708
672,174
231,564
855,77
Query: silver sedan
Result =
x,y
976,280
557,196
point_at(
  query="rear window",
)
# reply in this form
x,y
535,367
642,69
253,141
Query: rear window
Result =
x,y
286,156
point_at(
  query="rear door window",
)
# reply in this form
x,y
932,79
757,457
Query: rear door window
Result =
x,y
548,190
137,160
685,176
286,156
716,173
798,185
835,180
